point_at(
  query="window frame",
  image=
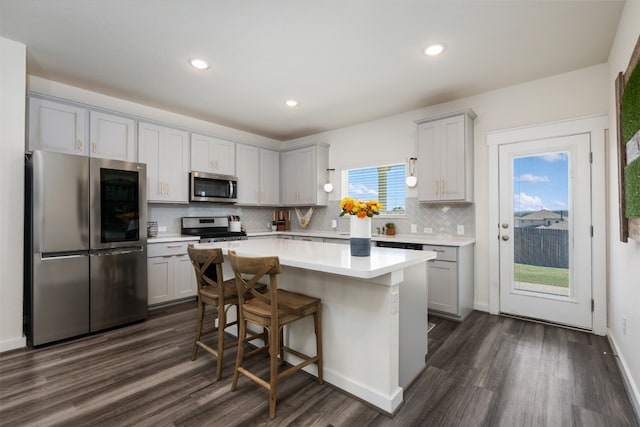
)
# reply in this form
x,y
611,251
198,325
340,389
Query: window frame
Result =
x,y
345,188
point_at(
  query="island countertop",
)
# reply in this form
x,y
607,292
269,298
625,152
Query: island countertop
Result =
x,y
327,257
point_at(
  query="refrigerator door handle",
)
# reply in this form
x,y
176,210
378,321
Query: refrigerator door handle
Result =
x,y
117,252
54,257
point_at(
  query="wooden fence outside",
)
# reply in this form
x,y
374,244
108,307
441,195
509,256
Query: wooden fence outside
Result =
x,y
542,247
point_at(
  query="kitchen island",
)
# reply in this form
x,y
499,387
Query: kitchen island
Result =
x,y
374,312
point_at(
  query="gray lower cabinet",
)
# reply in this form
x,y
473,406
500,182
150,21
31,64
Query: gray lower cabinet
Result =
x,y
451,281
170,274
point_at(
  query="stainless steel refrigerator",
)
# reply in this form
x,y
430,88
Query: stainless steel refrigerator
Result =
x,y
85,245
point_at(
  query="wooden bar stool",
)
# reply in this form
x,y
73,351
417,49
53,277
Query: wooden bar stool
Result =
x,y
271,310
217,293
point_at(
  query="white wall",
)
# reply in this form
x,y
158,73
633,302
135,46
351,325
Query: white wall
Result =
x,y
12,91
393,139
624,258
72,93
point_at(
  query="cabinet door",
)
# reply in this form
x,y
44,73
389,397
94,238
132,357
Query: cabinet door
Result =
x,y
213,155
307,173
184,284
428,168
174,165
452,159
269,177
443,286
112,137
166,153
149,137
159,283
200,161
247,172
289,178
224,156
58,127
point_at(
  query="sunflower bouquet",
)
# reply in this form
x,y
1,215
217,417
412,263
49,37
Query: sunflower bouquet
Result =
x,y
359,208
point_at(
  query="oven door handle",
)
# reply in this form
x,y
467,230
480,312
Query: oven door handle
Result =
x,y
231,189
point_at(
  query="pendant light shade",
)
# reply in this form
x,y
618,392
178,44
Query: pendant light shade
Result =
x,y
412,179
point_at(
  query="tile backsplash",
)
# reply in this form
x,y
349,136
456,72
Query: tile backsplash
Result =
x,y
442,219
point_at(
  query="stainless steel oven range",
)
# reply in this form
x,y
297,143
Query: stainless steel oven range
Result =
x,y
211,228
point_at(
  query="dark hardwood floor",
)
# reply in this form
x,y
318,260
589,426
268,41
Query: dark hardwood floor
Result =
x,y
486,371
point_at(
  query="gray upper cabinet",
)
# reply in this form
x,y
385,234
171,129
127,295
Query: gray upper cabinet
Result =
x,y
445,158
72,129
258,172
59,127
212,155
111,136
165,150
302,176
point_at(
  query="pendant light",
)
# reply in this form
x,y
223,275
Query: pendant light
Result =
x,y
412,179
328,187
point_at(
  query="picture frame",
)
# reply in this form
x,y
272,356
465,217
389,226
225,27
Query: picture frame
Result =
x,y
628,81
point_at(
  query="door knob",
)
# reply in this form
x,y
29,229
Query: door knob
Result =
x,y
505,225
505,237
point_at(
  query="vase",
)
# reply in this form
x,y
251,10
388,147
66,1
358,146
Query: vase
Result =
x,y
360,233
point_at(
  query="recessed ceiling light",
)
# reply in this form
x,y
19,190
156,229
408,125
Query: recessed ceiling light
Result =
x,y
291,103
434,49
199,64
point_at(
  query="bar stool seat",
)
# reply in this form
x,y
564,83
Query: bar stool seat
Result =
x,y
272,311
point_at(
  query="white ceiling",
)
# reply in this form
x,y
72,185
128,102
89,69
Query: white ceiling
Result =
x,y
345,61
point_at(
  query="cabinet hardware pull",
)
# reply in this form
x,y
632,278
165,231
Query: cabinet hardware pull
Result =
x,y
173,246
437,250
80,145
160,187
168,189
94,147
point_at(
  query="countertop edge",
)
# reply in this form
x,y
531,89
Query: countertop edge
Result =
x,y
405,238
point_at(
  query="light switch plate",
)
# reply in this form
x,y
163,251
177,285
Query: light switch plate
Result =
x,y
460,229
428,230
414,228
162,229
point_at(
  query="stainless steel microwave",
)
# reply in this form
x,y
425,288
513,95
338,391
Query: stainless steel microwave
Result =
x,y
208,187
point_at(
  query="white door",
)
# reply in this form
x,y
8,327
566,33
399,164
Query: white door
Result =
x,y
545,229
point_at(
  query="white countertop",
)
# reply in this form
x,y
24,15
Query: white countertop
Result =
x,y
404,238
331,258
166,238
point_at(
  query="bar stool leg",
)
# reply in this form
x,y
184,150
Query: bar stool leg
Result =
x,y
198,328
276,347
241,337
222,321
317,319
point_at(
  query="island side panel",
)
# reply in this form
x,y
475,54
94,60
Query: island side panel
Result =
x,y
360,330
413,323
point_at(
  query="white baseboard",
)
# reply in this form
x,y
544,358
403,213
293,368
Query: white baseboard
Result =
x,y
481,307
12,344
388,403
629,384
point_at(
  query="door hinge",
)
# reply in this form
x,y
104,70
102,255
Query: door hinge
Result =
x,y
590,157
592,306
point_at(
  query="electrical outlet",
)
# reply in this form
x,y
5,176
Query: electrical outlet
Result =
x,y
460,229
624,326
162,229
414,228
428,230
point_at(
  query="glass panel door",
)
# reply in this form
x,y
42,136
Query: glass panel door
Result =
x,y
545,229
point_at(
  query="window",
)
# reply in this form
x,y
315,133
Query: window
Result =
x,y
382,183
